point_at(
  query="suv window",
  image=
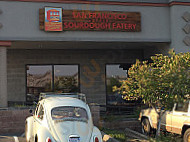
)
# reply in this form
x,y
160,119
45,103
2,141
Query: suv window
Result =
x,y
182,107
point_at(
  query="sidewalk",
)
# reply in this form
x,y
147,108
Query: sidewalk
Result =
x,y
12,139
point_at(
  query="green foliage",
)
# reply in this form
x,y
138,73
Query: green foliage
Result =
x,y
112,82
68,84
167,137
120,136
161,83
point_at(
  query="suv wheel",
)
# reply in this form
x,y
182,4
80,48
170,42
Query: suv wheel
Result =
x,y
186,136
146,128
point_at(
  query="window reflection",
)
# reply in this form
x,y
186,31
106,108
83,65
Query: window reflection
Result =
x,y
114,74
66,78
51,78
69,113
39,79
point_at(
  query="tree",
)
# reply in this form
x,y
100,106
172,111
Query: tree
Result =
x,y
113,81
159,84
66,84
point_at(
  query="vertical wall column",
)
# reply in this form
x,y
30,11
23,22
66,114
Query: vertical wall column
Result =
x,y
3,77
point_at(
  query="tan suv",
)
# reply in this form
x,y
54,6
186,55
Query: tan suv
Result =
x,y
175,121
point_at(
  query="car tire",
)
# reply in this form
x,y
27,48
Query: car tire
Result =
x,y
145,126
186,136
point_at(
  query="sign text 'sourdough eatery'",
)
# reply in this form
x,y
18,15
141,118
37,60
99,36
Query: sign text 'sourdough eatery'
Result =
x,y
83,20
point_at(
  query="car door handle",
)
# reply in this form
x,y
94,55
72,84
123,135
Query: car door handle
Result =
x,y
184,114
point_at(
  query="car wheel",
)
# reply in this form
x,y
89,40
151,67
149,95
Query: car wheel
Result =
x,y
146,128
186,136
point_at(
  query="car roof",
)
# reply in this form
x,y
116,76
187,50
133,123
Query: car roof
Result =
x,y
57,101
54,94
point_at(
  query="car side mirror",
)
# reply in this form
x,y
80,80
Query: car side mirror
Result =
x,y
31,111
35,103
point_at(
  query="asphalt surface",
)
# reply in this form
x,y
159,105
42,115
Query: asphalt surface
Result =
x,y
12,139
22,139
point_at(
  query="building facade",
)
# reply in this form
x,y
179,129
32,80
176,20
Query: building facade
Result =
x,y
83,57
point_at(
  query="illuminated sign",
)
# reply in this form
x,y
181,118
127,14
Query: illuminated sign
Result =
x,y
83,20
53,19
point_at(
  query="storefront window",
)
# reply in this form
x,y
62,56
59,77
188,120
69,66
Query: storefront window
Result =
x,y
66,78
39,79
114,74
50,78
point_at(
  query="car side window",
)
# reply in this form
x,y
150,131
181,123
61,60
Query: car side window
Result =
x,y
182,107
41,112
36,111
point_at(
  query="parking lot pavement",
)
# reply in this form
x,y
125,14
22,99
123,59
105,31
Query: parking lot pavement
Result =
x,y
21,139
11,139
6,139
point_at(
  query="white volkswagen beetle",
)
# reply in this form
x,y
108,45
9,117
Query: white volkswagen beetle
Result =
x,y
61,118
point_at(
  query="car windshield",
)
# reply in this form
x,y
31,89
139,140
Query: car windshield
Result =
x,y
69,113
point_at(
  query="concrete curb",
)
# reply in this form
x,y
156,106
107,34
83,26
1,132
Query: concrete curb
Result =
x,y
23,135
107,138
134,134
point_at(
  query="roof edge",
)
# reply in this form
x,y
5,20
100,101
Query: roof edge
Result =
x,y
157,3
98,2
